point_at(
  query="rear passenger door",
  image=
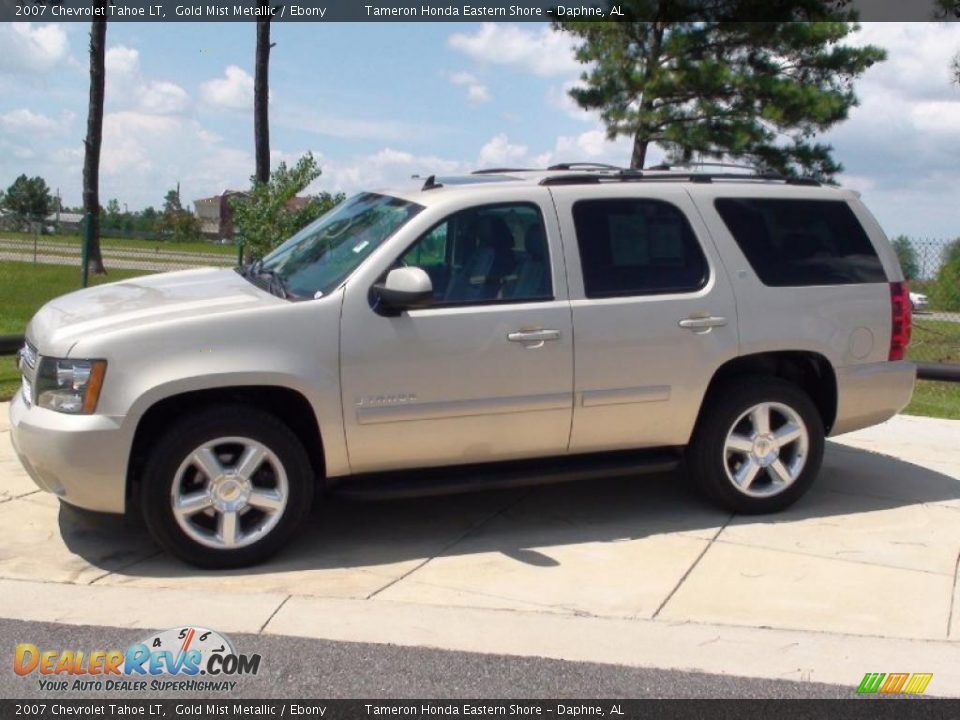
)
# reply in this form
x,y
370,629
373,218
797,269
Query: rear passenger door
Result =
x,y
653,313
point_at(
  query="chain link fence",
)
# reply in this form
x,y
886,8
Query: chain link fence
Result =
x,y
932,267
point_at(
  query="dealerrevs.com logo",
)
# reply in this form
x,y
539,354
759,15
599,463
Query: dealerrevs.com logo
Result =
x,y
178,659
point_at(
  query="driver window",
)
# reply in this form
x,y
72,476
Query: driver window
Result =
x,y
486,254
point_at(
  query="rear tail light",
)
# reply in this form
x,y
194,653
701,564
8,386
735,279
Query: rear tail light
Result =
x,y
900,309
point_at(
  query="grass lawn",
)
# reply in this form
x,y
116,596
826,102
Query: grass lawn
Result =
x,y
106,242
934,340
24,287
935,399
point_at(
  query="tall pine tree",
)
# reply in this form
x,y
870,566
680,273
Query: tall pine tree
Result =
x,y
702,85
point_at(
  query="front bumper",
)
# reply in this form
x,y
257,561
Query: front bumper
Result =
x,y
871,393
80,458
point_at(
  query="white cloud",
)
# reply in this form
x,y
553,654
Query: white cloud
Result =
x,y
121,61
588,146
542,51
32,49
23,120
145,154
233,91
499,151
477,92
938,116
343,126
386,168
918,56
126,87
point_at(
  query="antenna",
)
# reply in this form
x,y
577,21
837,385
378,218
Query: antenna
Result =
x,y
431,183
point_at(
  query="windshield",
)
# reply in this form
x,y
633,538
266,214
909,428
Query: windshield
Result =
x,y
319,257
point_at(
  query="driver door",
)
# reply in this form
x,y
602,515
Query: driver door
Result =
x,y
486,372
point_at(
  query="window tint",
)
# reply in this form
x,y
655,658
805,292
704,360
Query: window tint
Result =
x,y
484,254
637,247
801,242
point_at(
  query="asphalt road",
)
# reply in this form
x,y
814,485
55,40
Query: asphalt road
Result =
x,y
298,668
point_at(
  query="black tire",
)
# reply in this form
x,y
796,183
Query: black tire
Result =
x,y
190,433
708,460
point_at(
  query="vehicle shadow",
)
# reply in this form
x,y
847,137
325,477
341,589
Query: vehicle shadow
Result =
x,y
522,523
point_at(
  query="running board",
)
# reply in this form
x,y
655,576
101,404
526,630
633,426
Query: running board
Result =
x,y
491,476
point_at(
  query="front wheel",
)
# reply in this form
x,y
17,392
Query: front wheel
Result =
x,y
226,487
758,446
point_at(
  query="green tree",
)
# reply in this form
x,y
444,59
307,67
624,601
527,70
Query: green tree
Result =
x,y
112,215
171,201
176,223
951,253
907,254
945,290
27,200
265,216
700,85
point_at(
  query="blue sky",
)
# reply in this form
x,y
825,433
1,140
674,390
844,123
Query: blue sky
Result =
x,y
379,102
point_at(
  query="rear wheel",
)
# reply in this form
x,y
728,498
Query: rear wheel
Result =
x,y
226,487
758,447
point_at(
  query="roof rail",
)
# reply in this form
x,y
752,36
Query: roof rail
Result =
x,y
584,165
496,171
645,176
666,166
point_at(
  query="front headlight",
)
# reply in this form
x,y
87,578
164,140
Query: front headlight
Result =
x,y
69,386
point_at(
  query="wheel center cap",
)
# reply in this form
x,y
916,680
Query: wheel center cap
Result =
x,y
230,493
765,450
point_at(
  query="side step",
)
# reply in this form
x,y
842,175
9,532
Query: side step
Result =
x,y
489,476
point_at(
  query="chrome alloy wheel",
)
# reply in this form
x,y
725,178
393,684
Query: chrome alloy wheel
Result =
x,y
229,492
765,449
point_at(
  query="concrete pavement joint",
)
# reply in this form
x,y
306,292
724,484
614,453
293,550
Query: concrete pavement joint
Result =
x,y
20,496
835,556
691,568
273,614
469,531
126,567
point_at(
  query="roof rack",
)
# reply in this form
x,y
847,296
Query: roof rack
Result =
x,y
639,176
584,165
666,166
497,171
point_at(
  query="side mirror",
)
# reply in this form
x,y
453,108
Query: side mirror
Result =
x,y
405,288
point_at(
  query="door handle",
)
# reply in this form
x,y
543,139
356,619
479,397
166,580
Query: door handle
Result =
x,y
702,323
533,338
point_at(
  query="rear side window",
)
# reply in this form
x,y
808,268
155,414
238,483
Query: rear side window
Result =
x,y
637,247
802,242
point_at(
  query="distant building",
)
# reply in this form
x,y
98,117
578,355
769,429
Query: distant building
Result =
x,y
215,215
66,220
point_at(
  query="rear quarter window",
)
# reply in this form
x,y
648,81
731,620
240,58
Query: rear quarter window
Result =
x,y
791,243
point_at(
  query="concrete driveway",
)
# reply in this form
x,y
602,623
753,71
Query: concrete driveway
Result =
x,y
860,576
